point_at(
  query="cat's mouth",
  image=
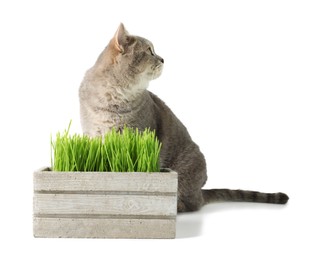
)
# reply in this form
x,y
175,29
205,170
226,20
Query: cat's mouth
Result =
x,y
158,67
157,71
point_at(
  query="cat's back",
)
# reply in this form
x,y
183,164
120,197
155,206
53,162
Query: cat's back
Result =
x,y
166,116
168,125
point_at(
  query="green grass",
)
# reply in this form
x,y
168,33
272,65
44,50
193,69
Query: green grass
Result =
x,y
127,151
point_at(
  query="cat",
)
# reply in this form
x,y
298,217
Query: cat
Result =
x,y
114,93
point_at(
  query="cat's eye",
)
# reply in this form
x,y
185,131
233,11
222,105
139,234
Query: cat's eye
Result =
x,y
151,51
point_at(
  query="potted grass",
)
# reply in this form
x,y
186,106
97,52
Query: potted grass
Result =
x,y
105,187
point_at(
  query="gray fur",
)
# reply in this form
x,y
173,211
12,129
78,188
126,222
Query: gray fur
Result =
x,y
113,94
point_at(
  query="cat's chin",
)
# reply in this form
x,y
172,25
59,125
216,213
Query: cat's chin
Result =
x,y
157,72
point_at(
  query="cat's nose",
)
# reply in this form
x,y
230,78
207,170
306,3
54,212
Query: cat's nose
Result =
x,y
159,58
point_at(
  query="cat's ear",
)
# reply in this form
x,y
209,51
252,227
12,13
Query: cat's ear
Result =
x,y
121,38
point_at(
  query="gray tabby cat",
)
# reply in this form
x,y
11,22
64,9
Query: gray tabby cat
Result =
x,y
113,94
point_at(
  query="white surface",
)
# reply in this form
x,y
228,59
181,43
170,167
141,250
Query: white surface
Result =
x,y
239,74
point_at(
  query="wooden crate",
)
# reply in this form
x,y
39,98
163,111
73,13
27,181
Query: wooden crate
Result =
x,y
105,205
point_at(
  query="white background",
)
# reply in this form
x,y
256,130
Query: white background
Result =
x,y
239,74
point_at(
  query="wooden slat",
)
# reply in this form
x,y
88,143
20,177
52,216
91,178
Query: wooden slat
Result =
x,y
104,204
104,228
107,181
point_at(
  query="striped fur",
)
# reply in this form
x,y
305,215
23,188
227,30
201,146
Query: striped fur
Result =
x,y
243,196
114,93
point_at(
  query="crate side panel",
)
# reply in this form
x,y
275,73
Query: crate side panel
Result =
x,y
104,228
105,204
105,181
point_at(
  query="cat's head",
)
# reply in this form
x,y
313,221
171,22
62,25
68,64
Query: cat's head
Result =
x,y
132,57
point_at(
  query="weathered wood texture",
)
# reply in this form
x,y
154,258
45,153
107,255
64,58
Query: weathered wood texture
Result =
x,y
104,205
100,181
104,228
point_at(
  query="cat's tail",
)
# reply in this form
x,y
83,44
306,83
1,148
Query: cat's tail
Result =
x,y
243,196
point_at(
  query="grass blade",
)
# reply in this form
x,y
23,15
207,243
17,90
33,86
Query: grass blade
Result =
x,y
129,150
